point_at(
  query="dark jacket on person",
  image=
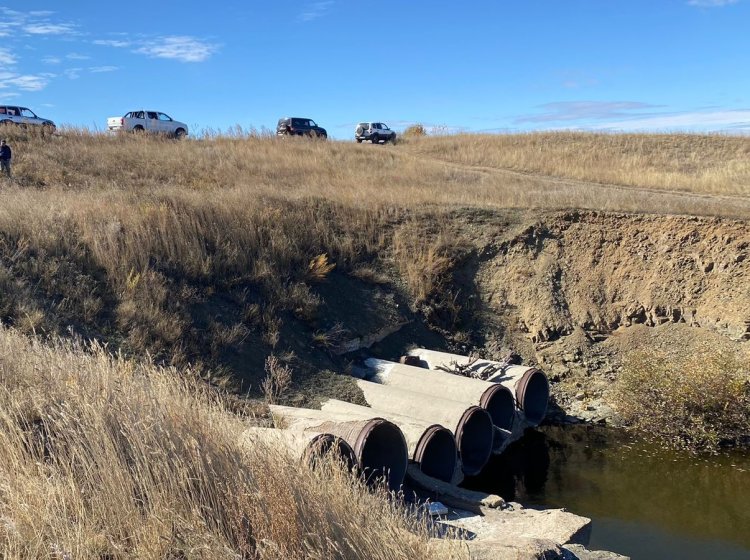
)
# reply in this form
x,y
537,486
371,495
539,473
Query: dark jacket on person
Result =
x,y
5,152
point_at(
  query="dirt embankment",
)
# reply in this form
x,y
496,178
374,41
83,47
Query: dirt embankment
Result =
x,y
603,271
579,292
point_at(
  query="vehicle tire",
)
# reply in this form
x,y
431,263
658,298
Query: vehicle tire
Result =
x,y
359,140
47,130
359,131
375,139
137,129
180,133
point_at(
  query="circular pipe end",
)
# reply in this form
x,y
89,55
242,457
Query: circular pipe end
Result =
x,y
324,444
436,453
532,393
499,402
382,452
474,436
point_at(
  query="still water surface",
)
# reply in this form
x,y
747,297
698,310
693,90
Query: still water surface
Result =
x,y
644,502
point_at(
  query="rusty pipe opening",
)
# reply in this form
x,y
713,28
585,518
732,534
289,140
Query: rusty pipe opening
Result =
x,y
532,393
474,437
436,453
499,402
382,452
324,445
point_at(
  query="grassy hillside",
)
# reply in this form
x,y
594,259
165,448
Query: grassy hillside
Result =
x,y
685,162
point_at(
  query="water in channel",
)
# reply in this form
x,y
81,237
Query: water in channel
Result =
x,y
644,502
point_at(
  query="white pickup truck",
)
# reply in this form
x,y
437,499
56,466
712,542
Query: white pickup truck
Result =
x,y
148,121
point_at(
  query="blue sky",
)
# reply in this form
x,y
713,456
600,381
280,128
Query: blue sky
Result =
x,y
475,65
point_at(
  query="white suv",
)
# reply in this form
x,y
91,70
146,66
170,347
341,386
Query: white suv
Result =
x,y
148,121
374,132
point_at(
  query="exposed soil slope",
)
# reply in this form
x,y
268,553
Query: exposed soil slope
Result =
x,y
602,271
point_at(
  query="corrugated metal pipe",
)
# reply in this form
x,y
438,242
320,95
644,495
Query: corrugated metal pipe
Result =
x,y
471,425
430,445
378,444
529,385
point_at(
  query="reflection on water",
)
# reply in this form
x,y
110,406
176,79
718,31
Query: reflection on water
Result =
x,y
643,501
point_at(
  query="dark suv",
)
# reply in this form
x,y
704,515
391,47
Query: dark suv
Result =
x,y
296,126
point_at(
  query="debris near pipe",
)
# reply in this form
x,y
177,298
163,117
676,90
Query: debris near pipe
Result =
x,y
475,368
452,495
529,384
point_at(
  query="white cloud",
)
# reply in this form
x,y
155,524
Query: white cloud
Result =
x,y
100,69
77,56
7,58
35,22
711,3
73,73
585,110
24,82
315,10
52,60
112,43
179,47
635,116
737,119
49,28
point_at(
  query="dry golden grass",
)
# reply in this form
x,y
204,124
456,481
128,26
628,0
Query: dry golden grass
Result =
x,y
123,234
694,163
434,172
104,458
696,400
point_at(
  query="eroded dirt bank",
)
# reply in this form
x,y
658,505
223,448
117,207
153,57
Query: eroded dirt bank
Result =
x,y
576,292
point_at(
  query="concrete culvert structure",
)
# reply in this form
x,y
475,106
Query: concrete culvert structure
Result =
x,y
529,384
431,446
471,425
496,399
306,447
379,445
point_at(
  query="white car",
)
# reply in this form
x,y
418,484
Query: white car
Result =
x,y
375,132
148,121
21,116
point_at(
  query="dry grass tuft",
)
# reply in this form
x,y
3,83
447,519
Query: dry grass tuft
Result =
x,y
414,131
319,268
277,381
695,401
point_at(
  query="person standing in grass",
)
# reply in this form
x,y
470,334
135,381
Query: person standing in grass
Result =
x,y
5,157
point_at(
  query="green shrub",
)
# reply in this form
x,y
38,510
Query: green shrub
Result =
x,y
697,402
